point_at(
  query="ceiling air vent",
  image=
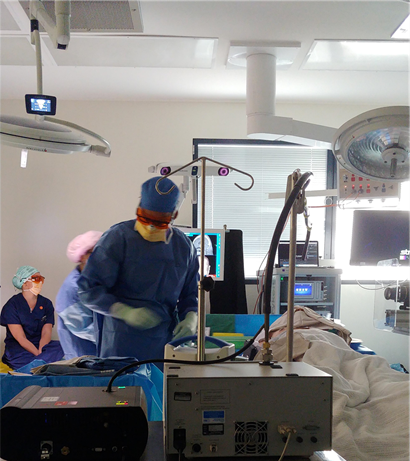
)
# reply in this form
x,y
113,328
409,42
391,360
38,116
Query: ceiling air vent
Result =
x,y
99,16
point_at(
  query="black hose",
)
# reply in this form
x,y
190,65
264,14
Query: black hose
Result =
x,y
137,363
300,184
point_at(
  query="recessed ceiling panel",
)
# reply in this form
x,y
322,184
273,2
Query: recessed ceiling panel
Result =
x,y
358,55
7,22
16,51
135,51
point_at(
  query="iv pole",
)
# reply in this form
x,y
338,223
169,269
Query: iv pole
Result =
x,y
201,290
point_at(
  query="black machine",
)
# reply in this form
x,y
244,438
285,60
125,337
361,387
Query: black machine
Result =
x,y
398,319
74,423
399,293
306,255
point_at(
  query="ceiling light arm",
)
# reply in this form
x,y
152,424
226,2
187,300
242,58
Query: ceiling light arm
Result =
x,y
59,32
97,150
35,39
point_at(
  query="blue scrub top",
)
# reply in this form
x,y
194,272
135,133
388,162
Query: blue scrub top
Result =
x,y
17,312
126,268
75,324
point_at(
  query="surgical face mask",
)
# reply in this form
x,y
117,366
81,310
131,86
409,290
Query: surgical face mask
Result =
x,y
150,232
36,288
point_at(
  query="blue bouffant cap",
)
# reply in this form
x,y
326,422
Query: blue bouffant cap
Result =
x,y
154,201
23,273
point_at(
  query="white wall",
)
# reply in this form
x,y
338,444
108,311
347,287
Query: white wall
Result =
x,y
59,196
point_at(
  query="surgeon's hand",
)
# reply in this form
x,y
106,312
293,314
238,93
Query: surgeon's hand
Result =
x,y
141,318
186,327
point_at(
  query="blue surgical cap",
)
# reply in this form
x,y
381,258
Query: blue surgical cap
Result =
x,y
154,201
23,273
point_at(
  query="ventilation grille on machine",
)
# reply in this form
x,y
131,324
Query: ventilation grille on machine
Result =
x,y
98,16
251,437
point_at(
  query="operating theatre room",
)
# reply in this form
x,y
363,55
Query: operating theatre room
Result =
x,y
213,198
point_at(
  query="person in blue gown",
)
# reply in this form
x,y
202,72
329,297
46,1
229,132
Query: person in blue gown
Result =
x,y
141,280
75,323
29,319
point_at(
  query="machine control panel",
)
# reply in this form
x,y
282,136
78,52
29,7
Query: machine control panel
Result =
x,y
355,187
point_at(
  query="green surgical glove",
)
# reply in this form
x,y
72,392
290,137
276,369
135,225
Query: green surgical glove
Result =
x,y
186,327
141,318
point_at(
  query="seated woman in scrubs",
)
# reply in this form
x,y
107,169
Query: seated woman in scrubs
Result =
x,y
75,324
29,319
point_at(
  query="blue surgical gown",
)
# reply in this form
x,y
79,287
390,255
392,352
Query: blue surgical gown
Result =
x,y
126,268
75,323
17,312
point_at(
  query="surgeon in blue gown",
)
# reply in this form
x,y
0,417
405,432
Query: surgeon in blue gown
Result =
x,y
75,323
141,280
29,318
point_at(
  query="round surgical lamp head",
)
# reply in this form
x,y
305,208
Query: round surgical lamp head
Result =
x,y
54,136
376,144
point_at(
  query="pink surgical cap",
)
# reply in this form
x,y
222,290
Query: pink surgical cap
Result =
x,y
79,246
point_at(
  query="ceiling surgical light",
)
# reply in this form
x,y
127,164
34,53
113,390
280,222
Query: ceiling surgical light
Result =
x,y
376,144
44,133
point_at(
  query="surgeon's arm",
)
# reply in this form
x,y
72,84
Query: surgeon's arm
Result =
x,y
101,272
19,335
45,336
78,319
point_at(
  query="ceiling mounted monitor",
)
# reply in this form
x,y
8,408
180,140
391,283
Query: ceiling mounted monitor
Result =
x,y
376,144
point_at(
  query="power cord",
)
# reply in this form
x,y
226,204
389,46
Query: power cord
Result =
x,y
283,430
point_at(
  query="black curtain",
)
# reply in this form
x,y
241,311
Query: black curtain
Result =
x,y
229,296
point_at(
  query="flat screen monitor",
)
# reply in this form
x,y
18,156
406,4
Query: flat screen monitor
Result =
x,y
214,248
312,255
379,235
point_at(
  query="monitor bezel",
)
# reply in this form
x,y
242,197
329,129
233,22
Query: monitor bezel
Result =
x,y
221,234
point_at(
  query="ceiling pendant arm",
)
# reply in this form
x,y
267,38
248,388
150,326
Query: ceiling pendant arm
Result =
x,y
59,32
35,38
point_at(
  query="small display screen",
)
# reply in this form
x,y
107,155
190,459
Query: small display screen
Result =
x,y
214,249
41,104
303,289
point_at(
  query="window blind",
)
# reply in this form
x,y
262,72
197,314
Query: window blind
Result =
x,y
252,211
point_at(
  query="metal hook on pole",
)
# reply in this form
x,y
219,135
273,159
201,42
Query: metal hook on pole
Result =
x,y
201,291
199,159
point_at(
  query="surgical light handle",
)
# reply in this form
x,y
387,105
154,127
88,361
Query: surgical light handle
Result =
x,y
201,292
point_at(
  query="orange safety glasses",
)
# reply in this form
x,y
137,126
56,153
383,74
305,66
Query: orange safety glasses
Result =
x,y
36,279
147,219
